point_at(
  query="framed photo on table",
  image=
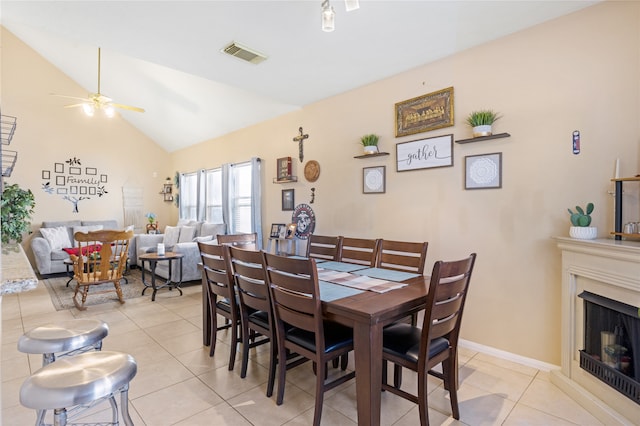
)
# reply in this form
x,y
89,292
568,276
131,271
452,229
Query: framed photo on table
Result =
x,y
275,229
288,199
483,171
373,180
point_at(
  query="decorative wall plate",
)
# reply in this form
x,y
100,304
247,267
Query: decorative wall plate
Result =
x,y
305,218
312,171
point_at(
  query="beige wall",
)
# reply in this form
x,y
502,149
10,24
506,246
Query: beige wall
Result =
x,y
580,72
47,133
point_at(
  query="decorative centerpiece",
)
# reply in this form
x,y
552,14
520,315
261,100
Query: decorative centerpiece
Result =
x,y
581,221
152,226
482,121
17,208
370,143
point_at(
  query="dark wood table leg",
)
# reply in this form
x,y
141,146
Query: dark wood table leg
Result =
x,y
367,344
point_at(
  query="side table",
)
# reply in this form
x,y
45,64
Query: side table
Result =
x,y
153,260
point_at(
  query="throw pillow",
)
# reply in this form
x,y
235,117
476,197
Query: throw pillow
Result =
x,y
85,229
186,234
58,237
203,239
171,236
213,229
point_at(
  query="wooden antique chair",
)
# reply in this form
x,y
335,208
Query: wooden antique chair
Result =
x,y
324,247
421,349
245,241
295,297
359,250
402,256
255,307
101,258
218,279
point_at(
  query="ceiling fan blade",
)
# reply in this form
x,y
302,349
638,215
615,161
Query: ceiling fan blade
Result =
x,y
129,107
71,97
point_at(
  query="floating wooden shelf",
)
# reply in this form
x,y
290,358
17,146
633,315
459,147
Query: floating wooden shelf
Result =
x,y
287,180
484,138
375,154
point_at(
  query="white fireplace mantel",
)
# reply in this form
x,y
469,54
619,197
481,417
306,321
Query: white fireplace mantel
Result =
x,y
612,269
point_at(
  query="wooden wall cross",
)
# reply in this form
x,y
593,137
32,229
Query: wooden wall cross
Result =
x,y
300,138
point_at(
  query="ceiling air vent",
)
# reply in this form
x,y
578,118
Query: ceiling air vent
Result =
x,y
244,53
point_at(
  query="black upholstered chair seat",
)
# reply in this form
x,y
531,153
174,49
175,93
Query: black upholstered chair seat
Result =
x,y
336,336
403,340
260,318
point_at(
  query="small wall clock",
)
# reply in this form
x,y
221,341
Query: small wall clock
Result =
x,y
373,180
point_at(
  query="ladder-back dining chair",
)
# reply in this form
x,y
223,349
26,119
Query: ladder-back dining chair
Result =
x,y
324,247
245,241
402,256
218,279
436,342
359,250
101,258
295,297
255,307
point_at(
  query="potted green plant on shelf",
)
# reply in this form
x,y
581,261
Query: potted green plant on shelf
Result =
x,y
370,143
17,208
581,223
481,122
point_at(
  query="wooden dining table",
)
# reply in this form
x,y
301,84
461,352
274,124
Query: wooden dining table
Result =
x,y
367,313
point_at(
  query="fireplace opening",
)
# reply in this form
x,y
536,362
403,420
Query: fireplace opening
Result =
x,y
612,343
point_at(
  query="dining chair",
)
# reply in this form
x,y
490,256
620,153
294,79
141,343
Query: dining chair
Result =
x,y
436,342
359,250
255,307
295,297
324,247
246,241
102,258
402,256
217,277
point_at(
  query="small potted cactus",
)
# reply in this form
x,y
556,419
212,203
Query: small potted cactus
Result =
x,y
581,223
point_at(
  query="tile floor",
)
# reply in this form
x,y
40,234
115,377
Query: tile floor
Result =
x,y
179,384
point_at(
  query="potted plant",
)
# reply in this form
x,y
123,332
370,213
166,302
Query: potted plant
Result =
x,y
481,122
581,223
370,143
152,226
17,208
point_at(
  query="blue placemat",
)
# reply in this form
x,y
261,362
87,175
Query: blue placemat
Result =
x,y
341,266
386,274
330,291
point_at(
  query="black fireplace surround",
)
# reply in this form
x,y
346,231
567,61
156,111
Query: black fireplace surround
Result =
x,y
612,343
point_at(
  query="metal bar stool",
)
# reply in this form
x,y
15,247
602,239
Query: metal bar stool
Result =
x,y
72,384
64,338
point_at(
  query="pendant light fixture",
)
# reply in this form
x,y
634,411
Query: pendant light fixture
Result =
x,y
328,17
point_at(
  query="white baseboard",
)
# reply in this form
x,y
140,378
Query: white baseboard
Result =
x,y
488,350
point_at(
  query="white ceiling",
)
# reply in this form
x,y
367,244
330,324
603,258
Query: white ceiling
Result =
x,y
164,56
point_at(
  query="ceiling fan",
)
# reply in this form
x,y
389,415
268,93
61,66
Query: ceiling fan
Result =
x,y
97,100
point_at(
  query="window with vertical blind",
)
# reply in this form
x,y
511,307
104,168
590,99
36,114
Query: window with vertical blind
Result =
x,y
213,195
229,194
240,197
189,196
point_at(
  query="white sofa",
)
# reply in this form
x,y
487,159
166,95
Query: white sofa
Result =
x,y
183,239
49,261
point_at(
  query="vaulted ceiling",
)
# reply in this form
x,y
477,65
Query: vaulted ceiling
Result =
x,y
165,56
